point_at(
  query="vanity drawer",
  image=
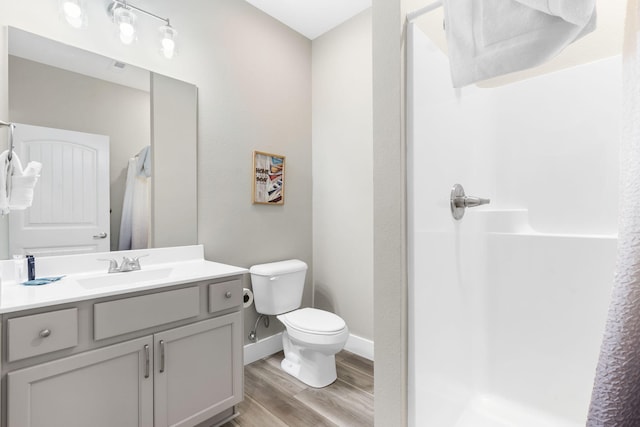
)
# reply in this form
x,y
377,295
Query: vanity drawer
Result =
x,y
37,334
225,295
125,315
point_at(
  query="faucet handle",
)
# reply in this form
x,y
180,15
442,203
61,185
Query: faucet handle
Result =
x,y
135,262
113,264
471,201
459,201
131,263
128,264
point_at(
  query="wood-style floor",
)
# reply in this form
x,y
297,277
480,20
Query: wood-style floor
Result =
x,y
272,398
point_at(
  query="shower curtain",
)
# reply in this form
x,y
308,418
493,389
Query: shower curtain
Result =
x,y
136,207
615,399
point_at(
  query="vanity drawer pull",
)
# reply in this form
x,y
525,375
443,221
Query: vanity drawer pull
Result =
x,y
224,295
21,332
161,356
146,360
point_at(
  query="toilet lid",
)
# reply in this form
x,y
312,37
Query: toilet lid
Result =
x,y
314,321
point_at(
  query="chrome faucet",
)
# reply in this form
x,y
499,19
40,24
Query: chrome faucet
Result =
x,y
460,201
128,264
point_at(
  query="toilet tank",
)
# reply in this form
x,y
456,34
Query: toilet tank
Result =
x,y
278,286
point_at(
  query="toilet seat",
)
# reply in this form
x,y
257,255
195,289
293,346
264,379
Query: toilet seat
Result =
x,y
315,327
313,321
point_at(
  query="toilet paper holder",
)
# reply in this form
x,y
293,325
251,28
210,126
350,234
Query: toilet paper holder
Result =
x,y
247,297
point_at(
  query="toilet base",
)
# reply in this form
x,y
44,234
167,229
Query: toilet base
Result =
x,y
310,366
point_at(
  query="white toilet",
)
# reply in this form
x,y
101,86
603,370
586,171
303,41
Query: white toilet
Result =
x,y
313,336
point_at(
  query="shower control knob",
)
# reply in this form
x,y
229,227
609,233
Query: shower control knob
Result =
x,y
470,202
459,201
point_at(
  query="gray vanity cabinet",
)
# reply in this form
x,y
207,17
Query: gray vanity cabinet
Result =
x,y
157,370
198,372
100,388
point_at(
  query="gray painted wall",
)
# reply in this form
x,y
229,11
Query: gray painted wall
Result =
x,y
255,95
343,174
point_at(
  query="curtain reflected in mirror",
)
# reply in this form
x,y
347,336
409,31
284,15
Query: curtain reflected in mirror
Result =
x,y
136,207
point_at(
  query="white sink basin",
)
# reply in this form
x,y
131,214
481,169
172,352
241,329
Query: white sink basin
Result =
x,y
117,279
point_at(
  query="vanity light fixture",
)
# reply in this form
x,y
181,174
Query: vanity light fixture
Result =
x,y
74,12
168,40
124,17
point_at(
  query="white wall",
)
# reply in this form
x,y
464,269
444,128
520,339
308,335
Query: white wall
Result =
x,y
343,174
548,145
254,87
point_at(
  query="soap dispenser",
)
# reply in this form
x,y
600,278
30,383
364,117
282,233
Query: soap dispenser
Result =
x,y
31,267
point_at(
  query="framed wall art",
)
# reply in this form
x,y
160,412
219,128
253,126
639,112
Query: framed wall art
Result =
x,y
268,178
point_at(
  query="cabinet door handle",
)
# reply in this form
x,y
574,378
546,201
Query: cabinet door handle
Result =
x,y
146,360
45,333
228,294
161,356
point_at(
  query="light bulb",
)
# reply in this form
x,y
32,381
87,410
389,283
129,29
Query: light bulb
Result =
x,y
126,25
72,9
168,41
168,47
73,13
127,33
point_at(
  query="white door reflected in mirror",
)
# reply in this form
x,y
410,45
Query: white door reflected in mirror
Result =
x,y
70,211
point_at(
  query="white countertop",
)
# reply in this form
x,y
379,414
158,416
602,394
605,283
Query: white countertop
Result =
x,y
160,268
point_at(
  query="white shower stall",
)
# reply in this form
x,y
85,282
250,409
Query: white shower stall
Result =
x,y
507,306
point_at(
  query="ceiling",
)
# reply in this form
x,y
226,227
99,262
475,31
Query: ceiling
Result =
x,y
311,18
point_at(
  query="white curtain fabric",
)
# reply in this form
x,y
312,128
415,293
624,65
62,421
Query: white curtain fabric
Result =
x,y
615,399
489,38
136,209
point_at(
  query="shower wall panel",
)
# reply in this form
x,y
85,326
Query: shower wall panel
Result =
x,y
507,306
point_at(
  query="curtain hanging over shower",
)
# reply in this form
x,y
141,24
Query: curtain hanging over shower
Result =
x,y
490,38
136,207
496,37
615,399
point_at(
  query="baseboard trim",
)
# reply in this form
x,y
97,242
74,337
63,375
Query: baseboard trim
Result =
x,y
273,344
360,346
263,348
